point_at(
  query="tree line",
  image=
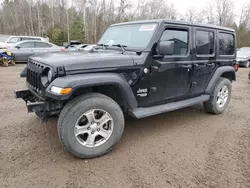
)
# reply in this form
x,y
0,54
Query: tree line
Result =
x,y
86,20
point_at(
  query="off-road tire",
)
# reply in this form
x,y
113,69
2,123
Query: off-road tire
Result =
x,y
211,106
78,106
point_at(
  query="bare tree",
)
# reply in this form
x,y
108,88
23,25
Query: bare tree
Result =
x,y
191,15
224,11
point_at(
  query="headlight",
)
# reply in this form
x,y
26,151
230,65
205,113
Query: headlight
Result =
x,y
60,91
47,76
50,75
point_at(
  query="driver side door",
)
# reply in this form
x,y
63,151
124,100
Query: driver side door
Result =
x,y
170,78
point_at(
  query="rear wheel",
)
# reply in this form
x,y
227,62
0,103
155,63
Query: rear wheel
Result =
x,y
90,125
220,97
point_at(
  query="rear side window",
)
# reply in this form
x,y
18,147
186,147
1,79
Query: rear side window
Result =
x,y
29,38
13,40
180,38
27,45
204,42
42,45
226,44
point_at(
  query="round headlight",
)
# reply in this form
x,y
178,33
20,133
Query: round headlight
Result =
x,y
50,75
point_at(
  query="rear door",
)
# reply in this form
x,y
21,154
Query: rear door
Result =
x,y
42,47
204,58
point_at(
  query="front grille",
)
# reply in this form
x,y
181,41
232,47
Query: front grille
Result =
x,y
34,74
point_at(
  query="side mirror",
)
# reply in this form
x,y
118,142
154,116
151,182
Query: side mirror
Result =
x,y
18,47
165,47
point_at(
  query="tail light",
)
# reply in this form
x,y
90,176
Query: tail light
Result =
x,y
236,66
63,49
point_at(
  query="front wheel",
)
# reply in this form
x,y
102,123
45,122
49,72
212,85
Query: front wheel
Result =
x,y
90,125
220,97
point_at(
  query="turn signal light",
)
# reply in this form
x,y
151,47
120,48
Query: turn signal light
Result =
x,y
60,91
65,91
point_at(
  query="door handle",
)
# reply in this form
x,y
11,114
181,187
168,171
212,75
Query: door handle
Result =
x,y
186,66
210,64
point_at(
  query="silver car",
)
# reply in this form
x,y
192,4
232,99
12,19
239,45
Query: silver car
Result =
x,y
23,50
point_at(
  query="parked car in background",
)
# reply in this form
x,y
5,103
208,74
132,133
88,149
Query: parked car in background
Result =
x,y
89,47
243,56
81,47
25,49
15,39
77,47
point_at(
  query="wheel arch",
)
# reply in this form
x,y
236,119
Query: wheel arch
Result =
x,y
226,72
111,84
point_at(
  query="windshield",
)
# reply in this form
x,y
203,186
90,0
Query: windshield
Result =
x,y
132,36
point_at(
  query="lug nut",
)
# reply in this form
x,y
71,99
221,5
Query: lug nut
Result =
x,y
92,132
88,128
98,129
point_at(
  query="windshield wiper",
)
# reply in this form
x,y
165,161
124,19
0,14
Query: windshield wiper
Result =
x,y
121,46
104,46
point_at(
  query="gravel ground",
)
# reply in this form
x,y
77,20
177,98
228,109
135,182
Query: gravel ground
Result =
x,y
185,148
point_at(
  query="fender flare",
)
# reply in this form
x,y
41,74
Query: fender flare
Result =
x,y
82,81
217,74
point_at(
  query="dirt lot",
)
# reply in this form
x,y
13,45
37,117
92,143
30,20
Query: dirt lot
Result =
x,y
185,148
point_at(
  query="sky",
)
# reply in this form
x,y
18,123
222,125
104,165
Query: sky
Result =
x,y
182,5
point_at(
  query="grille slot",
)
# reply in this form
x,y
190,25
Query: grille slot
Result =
x,y
34,74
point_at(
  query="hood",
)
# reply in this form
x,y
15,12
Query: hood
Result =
x,y
80,60
4,45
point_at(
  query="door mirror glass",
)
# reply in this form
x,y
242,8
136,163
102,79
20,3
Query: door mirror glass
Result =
x,y
165,47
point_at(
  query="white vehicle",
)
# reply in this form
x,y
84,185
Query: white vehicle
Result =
x,y
14,39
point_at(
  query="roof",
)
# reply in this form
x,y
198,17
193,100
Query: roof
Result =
x,y
25,36
179,22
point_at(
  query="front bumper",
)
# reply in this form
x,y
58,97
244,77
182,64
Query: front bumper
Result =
x,y
43,109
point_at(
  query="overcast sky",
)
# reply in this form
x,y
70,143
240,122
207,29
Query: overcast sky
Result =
x,y
182,5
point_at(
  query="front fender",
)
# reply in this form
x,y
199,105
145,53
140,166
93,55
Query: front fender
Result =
x,y
225,71
93,79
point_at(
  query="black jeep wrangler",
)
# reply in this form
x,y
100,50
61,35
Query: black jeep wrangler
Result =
x,y
140,69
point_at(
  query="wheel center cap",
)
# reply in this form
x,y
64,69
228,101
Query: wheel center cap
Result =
x,y
93,127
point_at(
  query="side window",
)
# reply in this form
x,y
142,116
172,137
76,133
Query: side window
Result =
x,y
42,45
180,38
27,45
35,39
226,44
13,40
204,42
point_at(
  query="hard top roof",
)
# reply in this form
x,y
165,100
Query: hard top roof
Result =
x,y
179,22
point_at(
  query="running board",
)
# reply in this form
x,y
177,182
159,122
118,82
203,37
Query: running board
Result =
x,y
150,111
